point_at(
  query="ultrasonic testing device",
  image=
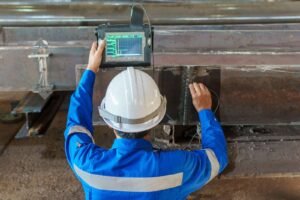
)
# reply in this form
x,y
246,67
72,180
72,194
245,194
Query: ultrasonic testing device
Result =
x,y
127,45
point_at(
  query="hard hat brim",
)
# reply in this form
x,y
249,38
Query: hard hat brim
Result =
x,y
134,128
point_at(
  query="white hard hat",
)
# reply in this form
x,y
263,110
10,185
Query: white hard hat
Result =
x,y
132,102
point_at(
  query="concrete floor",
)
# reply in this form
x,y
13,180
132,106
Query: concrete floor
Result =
x,y
36,168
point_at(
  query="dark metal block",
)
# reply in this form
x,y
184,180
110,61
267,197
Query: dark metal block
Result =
x,y
40,118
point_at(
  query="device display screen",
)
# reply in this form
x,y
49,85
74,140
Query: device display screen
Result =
x,y
125,46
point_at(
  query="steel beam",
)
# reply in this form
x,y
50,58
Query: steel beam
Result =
x,y
253,69
266,96
79,12
246,95
174,46
39,113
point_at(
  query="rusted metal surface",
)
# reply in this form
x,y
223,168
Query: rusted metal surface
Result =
x,y
19,73
41,125
266,96
40,116
226,45
238,58
246,95
253,69
227,38
76,13
174,46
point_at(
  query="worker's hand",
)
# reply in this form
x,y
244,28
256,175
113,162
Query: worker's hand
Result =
x,y
201,96
96,56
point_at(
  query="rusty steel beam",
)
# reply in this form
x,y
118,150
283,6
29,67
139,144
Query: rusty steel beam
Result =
x,y
227,59
253,69
36,122
174,46
76,13
267,96
226,45
246,95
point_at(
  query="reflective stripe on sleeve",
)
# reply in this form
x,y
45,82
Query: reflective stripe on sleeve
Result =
x,y
215,165
130,184
80,129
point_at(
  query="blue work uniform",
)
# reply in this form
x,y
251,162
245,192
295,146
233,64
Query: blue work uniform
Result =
x,y
131,169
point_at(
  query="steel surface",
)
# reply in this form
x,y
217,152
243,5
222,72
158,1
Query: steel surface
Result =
x,y
247,95
214,46
253,69
76,13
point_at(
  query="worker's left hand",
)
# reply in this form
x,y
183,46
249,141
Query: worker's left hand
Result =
x,y
96,56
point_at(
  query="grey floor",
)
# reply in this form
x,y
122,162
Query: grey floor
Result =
x,y
36,168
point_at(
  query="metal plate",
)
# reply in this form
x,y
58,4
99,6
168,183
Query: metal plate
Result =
x,y
247,95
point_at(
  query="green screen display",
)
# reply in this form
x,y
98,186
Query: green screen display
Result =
x,y
122,44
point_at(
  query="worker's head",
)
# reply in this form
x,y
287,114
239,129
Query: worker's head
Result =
x,y
132,104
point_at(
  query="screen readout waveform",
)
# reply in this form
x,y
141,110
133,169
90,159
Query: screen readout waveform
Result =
x,y
124,45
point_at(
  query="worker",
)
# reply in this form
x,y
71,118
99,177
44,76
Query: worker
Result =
x,y
131,169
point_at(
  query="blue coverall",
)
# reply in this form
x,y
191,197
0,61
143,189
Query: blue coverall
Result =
x,y
131,169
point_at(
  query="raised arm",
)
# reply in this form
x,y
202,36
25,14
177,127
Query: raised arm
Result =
x,y
81,105
204,164
79,130
213,138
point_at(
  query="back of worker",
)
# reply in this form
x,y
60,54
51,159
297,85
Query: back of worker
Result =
x,y
111,174
163,168
131,169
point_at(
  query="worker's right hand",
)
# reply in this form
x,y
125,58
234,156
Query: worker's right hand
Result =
x,y
96,56
201,96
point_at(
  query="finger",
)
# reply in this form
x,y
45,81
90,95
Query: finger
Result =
x,y
93,48
101,47
197,88
192,90
203,88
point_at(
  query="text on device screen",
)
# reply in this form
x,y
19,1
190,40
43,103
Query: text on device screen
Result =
x,y
125,46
